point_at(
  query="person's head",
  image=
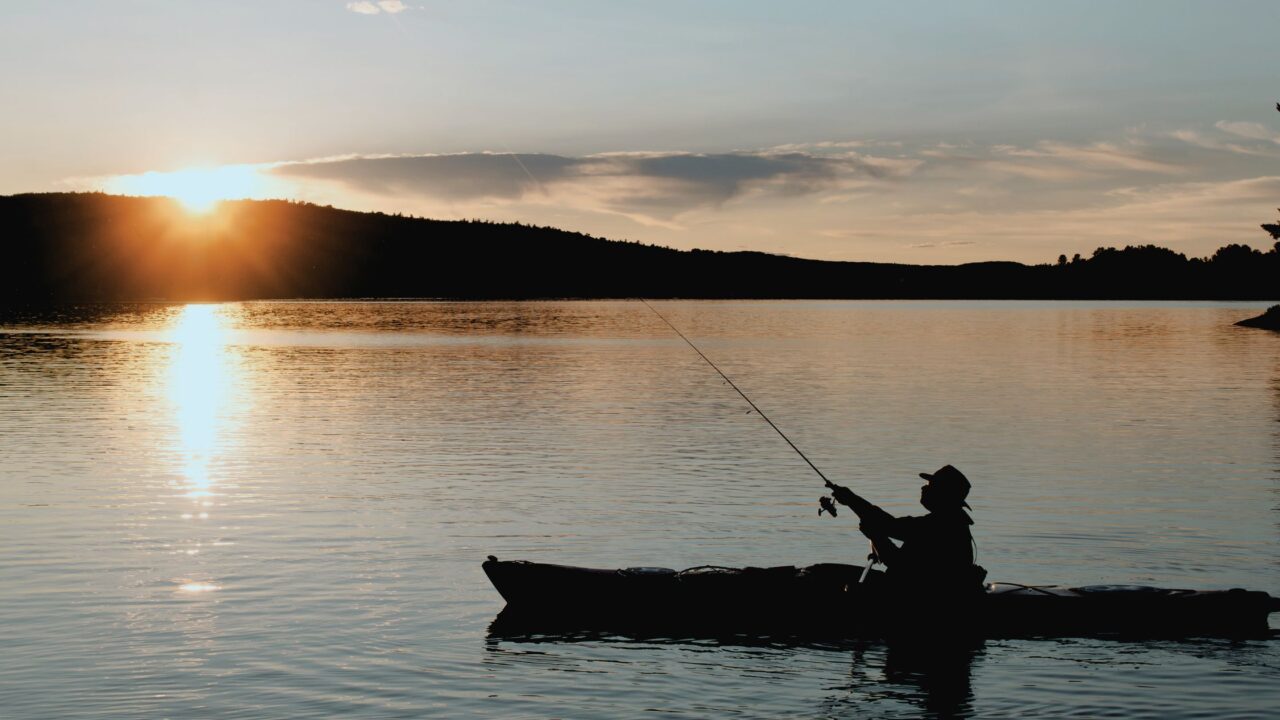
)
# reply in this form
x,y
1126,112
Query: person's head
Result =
x,y
946,489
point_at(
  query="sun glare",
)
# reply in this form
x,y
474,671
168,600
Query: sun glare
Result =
x,y
200,382
198,189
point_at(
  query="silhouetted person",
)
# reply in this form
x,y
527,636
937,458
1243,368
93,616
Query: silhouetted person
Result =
x,y
936,554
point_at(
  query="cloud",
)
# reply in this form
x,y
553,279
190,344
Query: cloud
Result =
x,y
1240,138
1099,155
449,177
365,7
1253,131
1047,162
1192,190
949,243
648,186
1247,191
836,144
1190,217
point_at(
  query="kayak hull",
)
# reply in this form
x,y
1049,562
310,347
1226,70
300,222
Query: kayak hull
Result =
x,y
828,601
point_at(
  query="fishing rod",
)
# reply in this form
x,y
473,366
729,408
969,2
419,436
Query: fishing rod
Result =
x,y
825,505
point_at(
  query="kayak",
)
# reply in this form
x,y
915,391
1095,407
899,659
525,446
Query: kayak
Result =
x,y
837,601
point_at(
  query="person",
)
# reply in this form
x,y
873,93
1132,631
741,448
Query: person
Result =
x,y
936,553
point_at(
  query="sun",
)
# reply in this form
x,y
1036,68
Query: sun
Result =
x,y
198,189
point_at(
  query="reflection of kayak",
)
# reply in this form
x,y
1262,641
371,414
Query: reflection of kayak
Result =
x,y
828,601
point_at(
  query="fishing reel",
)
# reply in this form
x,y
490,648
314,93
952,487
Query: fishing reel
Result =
x,y
827,505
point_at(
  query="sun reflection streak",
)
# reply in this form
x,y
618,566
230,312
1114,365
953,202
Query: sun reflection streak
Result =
x,y
200,382
199,587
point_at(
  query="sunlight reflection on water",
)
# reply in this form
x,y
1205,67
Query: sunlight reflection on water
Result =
x,y
199,381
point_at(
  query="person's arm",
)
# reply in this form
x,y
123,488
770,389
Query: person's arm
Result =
x,y
877,524
879,534
873,517
900,528
886,552
872,522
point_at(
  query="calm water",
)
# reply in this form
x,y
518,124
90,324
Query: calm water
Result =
x,y
279,510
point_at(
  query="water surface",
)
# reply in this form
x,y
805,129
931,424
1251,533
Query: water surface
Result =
x,y
279,509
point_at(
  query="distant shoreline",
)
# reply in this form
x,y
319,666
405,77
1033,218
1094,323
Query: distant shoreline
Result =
x,y
92,247
442,300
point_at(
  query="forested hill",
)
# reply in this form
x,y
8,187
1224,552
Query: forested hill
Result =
x,y
76,247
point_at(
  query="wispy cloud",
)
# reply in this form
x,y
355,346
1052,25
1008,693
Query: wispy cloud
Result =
x,y
1251,130
1103,155
365,7
654,186
1191,217
949,243
1240,138
1048,161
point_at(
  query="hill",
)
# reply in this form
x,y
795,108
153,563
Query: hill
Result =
x,y
76,247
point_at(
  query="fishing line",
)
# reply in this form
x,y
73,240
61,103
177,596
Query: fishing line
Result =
x,y
735,387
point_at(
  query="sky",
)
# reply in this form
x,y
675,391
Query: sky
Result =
x,y
919,132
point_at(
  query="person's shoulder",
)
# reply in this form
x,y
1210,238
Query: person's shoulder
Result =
x,y
943,519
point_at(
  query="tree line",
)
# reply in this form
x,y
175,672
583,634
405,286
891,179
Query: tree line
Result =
x,y
83,247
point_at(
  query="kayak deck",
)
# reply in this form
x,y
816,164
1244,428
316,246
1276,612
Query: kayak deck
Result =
x,y
827,600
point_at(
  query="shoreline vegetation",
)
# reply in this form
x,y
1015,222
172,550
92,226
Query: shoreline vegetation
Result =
x,y
90,247
1269,320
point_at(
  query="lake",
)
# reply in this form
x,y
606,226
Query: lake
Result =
x,y
279,510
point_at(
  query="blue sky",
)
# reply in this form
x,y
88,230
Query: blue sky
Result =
x,y
907,131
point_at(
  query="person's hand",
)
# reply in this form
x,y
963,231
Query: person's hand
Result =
x,y
843,495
